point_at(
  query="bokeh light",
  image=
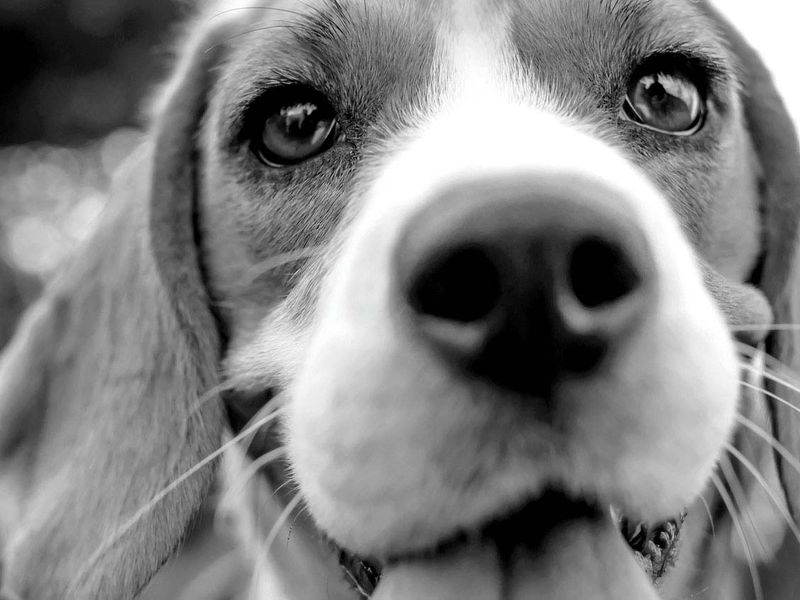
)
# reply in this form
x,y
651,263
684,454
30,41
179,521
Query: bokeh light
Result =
x,y
51,196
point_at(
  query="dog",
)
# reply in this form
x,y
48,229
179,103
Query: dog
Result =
x,y
497,297
16,292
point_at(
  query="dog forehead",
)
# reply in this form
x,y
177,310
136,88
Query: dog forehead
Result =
x,y
550,42
556,36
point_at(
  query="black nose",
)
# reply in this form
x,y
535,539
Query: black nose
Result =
x,y
524,290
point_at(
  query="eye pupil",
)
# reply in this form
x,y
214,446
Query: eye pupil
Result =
x,y
655,90
298,124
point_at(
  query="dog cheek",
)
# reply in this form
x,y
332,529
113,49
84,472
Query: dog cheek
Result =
x,y
340,433
661,422
692,361
701,378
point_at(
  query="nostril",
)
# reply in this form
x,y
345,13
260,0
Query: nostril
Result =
x,y
601,273
460,285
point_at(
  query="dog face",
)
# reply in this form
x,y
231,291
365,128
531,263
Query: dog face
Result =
x,y
477,151
490,258
378,385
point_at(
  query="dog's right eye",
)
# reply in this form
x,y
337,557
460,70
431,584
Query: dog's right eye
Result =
x,y
293,124
664,97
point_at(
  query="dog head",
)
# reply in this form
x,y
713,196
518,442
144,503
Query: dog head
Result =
x,y
491,260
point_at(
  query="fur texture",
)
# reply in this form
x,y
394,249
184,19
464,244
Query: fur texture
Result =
x,y
213,272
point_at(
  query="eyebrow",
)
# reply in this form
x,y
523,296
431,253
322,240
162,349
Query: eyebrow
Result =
x,y
324,25
691,37
351,52
709,58
311,37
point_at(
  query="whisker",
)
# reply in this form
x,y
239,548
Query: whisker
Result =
x,y
740,497
244,33
763,482
277,261
749,350
280,522
264,8
126,527
259,269
770,439
772,365
276,404
770,395
781,381
211,394
757,327
767,374
304,510
710,517
281,486
751,564
252,469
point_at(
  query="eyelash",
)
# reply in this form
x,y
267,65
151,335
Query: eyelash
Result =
x,y
701,71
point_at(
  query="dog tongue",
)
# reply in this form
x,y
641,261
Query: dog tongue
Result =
x,y
584,558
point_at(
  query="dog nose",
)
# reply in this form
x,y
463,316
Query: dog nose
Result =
x,y
524,289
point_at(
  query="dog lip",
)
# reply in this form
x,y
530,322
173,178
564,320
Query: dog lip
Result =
x,y
524,525
655,547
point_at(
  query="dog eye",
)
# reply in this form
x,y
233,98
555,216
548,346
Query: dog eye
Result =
x,y
296,124
667,102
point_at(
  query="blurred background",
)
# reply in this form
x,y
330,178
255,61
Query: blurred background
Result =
x,y
74,74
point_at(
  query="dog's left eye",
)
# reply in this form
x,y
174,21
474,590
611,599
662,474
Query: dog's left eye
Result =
x,y
667,102
297,124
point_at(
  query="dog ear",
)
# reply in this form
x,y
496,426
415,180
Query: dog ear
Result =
x,y
16,291
107,391
775,141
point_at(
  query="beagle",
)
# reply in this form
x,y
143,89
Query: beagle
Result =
x,y
463,299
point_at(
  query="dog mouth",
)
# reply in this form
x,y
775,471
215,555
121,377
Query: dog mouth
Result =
x,y
653,547
533,528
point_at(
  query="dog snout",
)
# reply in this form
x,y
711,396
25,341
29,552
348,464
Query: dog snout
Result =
x,y
524,288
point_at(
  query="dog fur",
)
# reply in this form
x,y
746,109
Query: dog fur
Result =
x,y
118,380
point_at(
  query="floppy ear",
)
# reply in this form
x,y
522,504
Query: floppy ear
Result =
x,y
16,291
101,389
776,144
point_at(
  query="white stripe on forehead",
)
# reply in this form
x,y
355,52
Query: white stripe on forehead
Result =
x,y
475,38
